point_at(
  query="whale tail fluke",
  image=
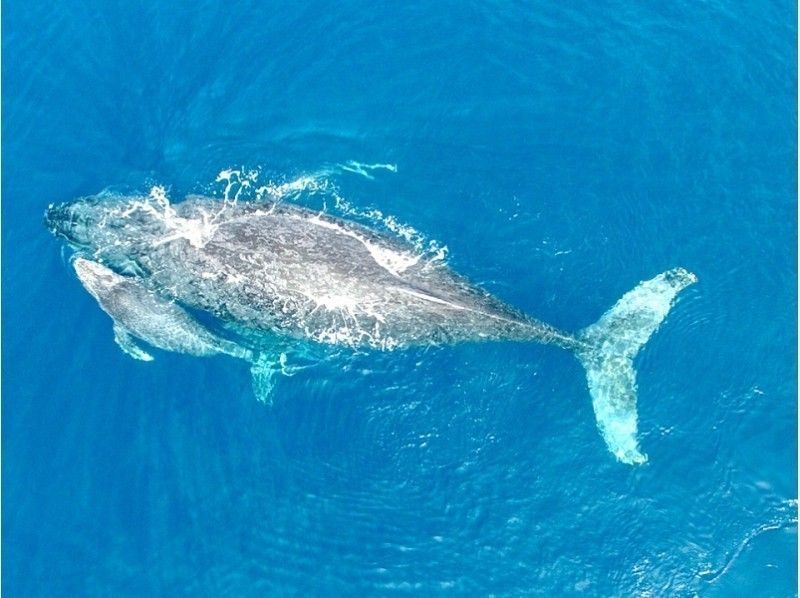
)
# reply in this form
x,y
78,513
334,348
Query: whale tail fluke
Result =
x,y
609,346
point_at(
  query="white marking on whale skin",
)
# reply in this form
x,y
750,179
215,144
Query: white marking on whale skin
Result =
x,y
232,278
433,299
430,298
348,307
391,261
333,302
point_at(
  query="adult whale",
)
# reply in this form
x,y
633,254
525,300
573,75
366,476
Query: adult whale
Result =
x,y
250,279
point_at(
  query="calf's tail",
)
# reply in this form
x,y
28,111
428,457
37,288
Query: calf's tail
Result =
x,y
607,348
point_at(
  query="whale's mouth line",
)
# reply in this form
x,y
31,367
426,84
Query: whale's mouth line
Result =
x,y
77,247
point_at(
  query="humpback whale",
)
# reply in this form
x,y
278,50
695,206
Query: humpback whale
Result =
x,y
251,280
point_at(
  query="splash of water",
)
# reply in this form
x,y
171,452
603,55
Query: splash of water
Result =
x,y
236,182
197,231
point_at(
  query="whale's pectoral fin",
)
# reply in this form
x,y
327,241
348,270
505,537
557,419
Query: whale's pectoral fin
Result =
x,y
610,346
265,370
127,343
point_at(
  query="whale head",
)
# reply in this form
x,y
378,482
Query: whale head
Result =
x,y
73,221
111,228
96,278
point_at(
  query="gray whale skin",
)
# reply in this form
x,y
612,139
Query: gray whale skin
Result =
x,y
275,275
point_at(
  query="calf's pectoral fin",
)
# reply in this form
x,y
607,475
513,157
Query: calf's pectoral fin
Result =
x,y
265,369
127,343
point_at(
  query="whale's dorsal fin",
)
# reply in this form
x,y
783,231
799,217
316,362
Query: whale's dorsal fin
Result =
x,y
127,343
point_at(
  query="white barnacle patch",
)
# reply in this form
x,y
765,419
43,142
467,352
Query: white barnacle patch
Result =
x,y
431,298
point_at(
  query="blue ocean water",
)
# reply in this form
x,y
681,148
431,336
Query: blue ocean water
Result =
x,y
562,152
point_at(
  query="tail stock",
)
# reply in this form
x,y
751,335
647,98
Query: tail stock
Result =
x,y
608,348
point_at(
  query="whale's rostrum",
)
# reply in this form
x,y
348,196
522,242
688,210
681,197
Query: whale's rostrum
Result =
x,y
279,274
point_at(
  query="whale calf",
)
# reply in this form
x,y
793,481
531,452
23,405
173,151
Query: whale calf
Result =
x,y
252,279
139,313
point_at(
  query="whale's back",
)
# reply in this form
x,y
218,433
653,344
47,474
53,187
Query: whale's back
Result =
x,y
284,268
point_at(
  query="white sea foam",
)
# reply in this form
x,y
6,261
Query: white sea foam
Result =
x,y
278,191
237,181
198,231
364,169
195,230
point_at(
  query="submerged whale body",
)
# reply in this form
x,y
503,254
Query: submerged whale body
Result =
x,y
273,275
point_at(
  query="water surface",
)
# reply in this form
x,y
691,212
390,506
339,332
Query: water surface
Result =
x,y
561,153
